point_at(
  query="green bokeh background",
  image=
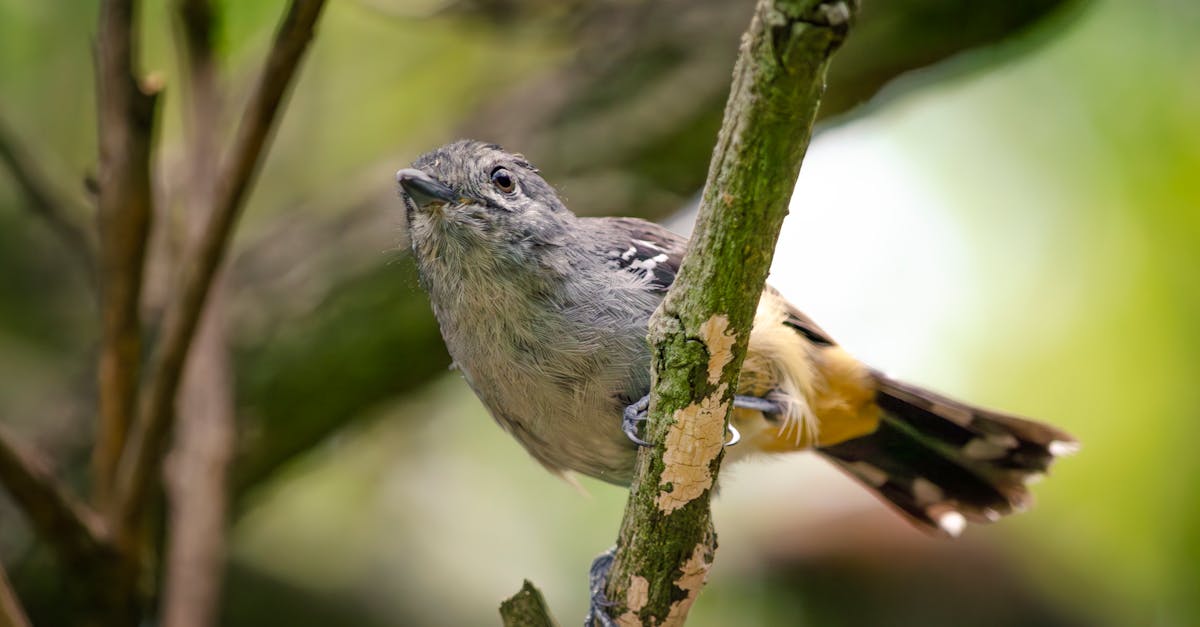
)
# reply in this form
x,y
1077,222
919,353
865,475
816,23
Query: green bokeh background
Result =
x,y
1072,177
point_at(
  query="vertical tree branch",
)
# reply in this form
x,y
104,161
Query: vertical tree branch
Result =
x,y
11,612
125,120
197,468
700,333
197,479
139,465
46,202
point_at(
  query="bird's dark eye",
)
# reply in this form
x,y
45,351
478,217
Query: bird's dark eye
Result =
x,y
503,180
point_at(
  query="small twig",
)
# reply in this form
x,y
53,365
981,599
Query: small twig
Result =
x,y
139,464
46,202
125,120
75,532
526,608
700,333
11,612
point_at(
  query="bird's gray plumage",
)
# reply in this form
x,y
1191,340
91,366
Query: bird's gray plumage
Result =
x,y
543,312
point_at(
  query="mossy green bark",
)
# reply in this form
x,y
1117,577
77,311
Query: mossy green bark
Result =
x,y
526,608
700,333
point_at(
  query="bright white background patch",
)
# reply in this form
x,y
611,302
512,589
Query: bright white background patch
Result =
x,y
870,252
873,255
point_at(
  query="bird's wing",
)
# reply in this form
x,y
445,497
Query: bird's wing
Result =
x,y
643,248
653,251
797,320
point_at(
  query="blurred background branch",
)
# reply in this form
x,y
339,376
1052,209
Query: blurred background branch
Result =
x,y
74,531
151,431
46,200
126,130
11,612
125,126
197,466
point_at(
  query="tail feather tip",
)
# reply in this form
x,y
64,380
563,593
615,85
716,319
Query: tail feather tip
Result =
x,y
953,523
1062,448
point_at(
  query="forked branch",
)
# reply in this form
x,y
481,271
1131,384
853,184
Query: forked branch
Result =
x,y
139,466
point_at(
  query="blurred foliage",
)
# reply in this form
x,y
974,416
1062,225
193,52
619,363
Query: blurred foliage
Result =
x,y
1071,174
1085,206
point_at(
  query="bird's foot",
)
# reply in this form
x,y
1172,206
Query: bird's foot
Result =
x,y
637,412
764,405
597,582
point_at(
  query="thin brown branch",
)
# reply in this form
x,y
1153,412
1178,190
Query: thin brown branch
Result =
x,y
138,470
197,467
75,532
125,121
197,479
45,201
700,332
11,612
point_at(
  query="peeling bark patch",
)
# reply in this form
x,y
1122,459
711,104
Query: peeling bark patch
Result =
x,y
695,573
638,594
636,597
693,442
718,339
629,619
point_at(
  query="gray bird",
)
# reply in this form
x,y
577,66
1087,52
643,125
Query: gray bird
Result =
x,y
545,314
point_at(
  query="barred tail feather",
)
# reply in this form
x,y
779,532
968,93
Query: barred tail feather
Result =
x,y
942,463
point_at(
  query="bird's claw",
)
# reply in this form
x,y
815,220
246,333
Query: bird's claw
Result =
x,y
735,436
637,412
766,406
597,582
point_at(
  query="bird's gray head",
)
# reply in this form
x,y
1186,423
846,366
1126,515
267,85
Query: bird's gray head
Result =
x,y
472,202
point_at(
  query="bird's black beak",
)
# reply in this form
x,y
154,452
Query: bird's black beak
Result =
x,y
424,189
